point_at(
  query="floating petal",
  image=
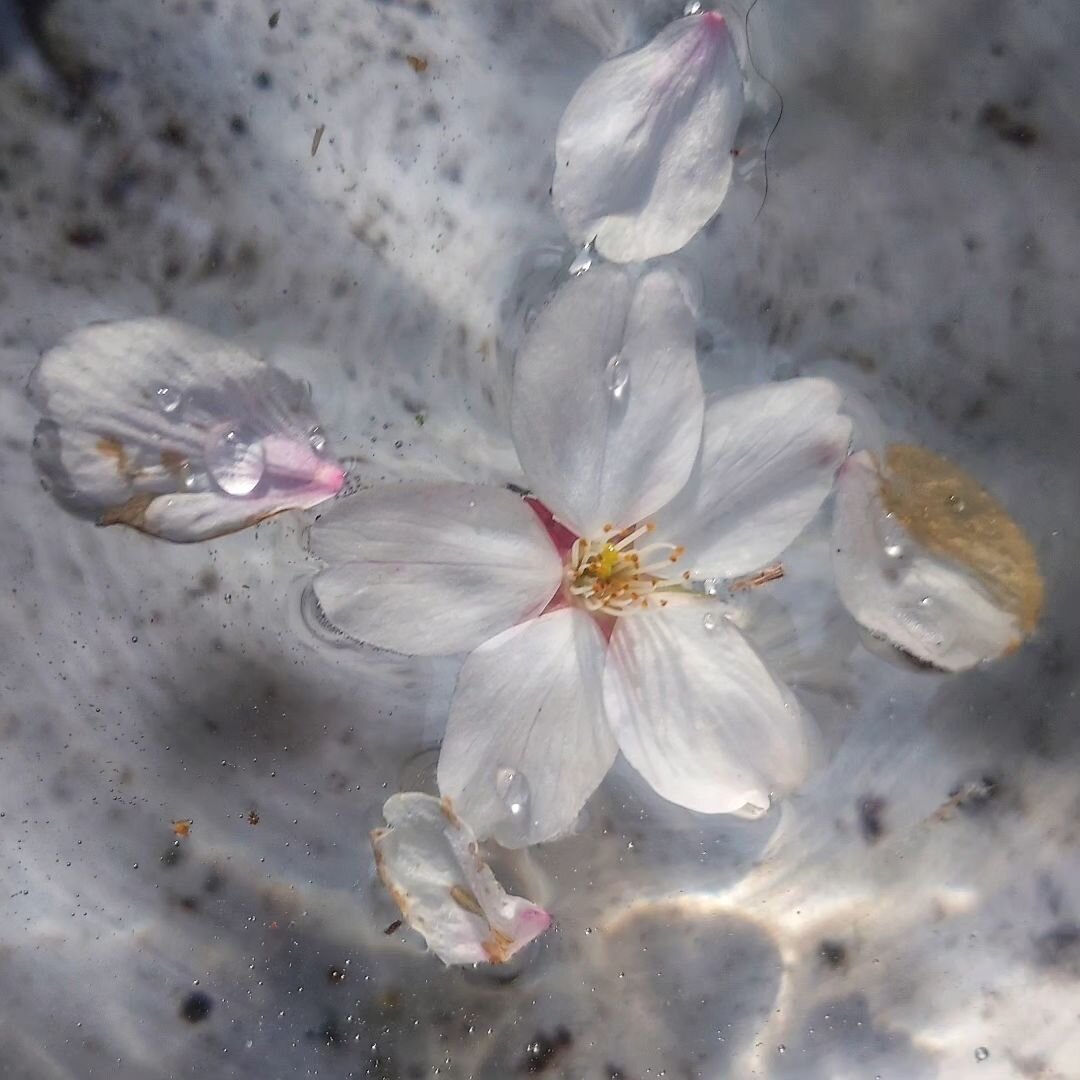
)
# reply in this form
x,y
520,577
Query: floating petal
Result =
x,y
768,460
432,569
429,861
607,402
526,743
154,424
643,152
697,713
928,561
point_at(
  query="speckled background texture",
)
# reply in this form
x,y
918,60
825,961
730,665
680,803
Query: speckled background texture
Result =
x,y
913,912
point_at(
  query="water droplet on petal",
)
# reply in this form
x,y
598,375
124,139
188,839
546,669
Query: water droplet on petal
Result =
x,y
981,1053
168,399
583,260
512,787
235,459
710,621
317,439
617,375
711,586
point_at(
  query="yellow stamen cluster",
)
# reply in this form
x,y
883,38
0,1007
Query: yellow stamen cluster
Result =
x,y
610,576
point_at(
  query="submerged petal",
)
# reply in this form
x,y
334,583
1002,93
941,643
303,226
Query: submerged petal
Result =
x,y
526,743
698,714
643,151
432,569
157,425
925,559
429,861
607,402
768,460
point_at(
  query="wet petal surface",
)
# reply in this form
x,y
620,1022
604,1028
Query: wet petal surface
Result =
x,y
428,859
155,424
698,714
643,152
526,743
607,402
928,561
432,569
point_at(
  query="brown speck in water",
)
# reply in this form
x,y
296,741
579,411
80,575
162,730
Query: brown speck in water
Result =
x,y
253,817
273,20
317,138
417,63
393,927
112,448
182,827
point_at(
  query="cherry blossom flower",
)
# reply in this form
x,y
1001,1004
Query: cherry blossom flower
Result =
x,y
593,613
928,562
154,424
643,153
430,863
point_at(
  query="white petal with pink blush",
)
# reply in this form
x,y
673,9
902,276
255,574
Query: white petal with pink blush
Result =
x,y
643,153
429,860
157,425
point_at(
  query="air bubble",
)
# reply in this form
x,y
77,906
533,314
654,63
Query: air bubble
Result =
x,y
981,1053
692,8
894,551
168,399
583,260
235,459
711,586
317,439
710,621
617,375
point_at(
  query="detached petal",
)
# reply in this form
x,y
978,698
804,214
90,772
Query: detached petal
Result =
x,y
526,743
927,560
429,861
643,151
768,460
607,403
432,569
698,714
160,426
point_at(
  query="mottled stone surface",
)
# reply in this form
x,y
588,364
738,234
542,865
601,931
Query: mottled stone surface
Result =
x,y
914,912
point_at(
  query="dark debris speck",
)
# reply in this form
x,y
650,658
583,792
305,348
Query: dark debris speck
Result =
x,y
870,809
196,1007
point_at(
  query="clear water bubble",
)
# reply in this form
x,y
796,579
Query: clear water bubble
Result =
x,y
512,787
317,439
692,8
168,399
710,621
235,459
583,260
981,1053
711,586
617,376
894,551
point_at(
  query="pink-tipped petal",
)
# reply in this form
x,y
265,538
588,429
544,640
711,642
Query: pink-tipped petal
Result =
x,y
643,151
429,861
163,427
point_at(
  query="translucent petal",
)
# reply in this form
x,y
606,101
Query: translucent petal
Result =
x,y
607,401
432,569
930,606
698,714
643,151
768,461
428,859
526,743
160,426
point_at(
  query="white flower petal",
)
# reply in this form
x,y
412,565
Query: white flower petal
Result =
x,y
929,608
698,714
432,569
643,151
429,861
607,402
768,460
526,743
160,426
